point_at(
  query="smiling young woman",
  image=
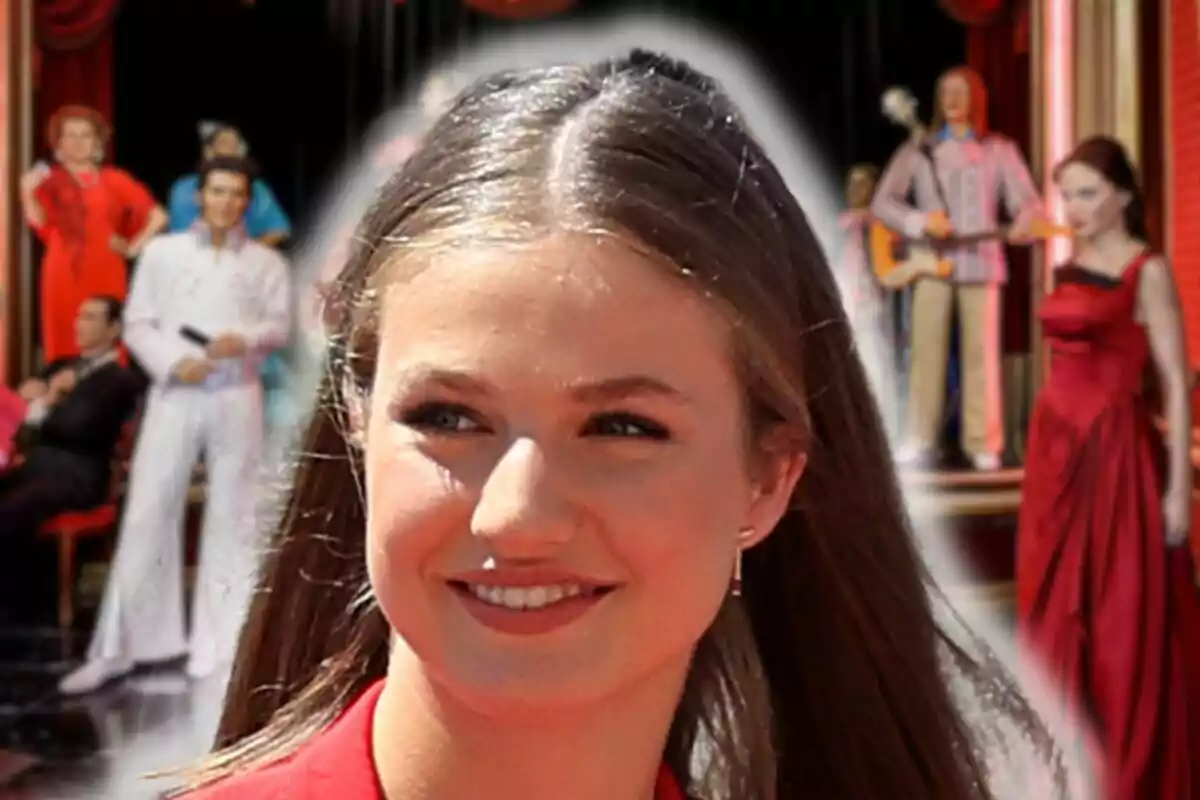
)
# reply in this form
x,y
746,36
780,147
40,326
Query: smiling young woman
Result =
x,y
591,370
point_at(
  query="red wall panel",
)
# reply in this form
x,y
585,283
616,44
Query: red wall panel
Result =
x,y
1183,162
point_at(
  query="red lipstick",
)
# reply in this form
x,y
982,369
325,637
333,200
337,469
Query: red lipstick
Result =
x,y
528,602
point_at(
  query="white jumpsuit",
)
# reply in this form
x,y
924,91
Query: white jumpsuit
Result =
x,y
182,281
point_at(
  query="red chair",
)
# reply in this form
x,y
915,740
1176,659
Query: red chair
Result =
x,y
70,526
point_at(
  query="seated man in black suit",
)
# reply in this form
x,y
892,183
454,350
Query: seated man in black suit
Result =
x,y
75,413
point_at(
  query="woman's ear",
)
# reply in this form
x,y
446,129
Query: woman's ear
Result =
x,y
1124,197
779,465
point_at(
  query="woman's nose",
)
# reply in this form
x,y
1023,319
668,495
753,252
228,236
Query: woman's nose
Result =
x,y
522,509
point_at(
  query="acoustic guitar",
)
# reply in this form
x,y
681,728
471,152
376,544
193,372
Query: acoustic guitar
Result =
x,y
897,261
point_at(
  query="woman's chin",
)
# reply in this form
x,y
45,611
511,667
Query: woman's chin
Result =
x,y
529,688
530,695
482,674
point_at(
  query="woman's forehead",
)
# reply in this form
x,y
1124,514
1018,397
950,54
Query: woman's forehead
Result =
x,y
1079,174
587,295
481,253
556,271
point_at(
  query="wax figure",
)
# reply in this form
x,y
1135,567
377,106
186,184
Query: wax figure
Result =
x,y
72,414
864,296
870,305
958,177
1098,523
91,218
207,305
266,221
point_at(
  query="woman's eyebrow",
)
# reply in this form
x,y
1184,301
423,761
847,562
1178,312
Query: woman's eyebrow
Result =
x,y
623,388
600,390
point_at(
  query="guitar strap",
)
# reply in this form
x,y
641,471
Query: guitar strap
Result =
x,y
926,148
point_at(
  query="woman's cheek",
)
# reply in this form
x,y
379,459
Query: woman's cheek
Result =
x,y
412,504
662,515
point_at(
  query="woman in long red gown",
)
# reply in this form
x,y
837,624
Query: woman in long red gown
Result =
x,y
90,217
1097,528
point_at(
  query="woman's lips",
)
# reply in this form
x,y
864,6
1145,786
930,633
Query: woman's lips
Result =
x,y
526,605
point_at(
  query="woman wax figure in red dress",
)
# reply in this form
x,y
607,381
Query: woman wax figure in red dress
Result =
x,y
551,534
1097,524
90,217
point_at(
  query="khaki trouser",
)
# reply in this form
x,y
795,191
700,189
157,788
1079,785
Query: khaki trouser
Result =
x,y
979,364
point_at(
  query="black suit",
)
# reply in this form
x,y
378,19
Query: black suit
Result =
x,y
68,456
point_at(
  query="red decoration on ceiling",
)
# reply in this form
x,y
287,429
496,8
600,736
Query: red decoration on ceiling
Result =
x,y
977,12
519,9
72,24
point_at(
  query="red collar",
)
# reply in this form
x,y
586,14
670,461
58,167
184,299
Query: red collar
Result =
x,y
667,787
339,762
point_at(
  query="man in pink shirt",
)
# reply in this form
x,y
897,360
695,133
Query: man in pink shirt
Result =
x,y
955,182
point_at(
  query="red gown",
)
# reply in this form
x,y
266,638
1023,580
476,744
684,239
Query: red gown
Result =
x,y
82,215
1092,563
338,763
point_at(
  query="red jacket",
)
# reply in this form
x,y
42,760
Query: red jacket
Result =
x,y
337,763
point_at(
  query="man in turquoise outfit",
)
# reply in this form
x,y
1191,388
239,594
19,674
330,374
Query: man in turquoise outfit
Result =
x,y
264,221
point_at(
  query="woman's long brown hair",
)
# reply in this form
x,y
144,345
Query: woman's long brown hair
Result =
x,y
826,679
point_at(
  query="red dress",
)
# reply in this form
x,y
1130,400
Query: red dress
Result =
x,y
83,213
1092,574
337,763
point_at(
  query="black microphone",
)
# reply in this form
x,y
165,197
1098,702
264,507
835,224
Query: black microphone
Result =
x,y
194,336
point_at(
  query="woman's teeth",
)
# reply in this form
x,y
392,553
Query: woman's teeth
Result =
x,y
520,598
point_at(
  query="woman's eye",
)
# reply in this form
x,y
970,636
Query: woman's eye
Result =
x,y
443,418
625,426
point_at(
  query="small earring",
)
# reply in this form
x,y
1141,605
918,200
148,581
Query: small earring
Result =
x,y
735,587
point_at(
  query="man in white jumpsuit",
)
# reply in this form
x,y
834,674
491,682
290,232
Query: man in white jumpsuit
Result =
x,y
205,307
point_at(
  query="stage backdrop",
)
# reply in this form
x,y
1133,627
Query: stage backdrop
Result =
x,y
305,77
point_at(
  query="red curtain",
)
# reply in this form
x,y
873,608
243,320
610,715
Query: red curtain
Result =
x,y
74,39
519,9
998,49
999,53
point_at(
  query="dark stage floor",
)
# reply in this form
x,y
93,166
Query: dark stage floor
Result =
x,y
100,746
